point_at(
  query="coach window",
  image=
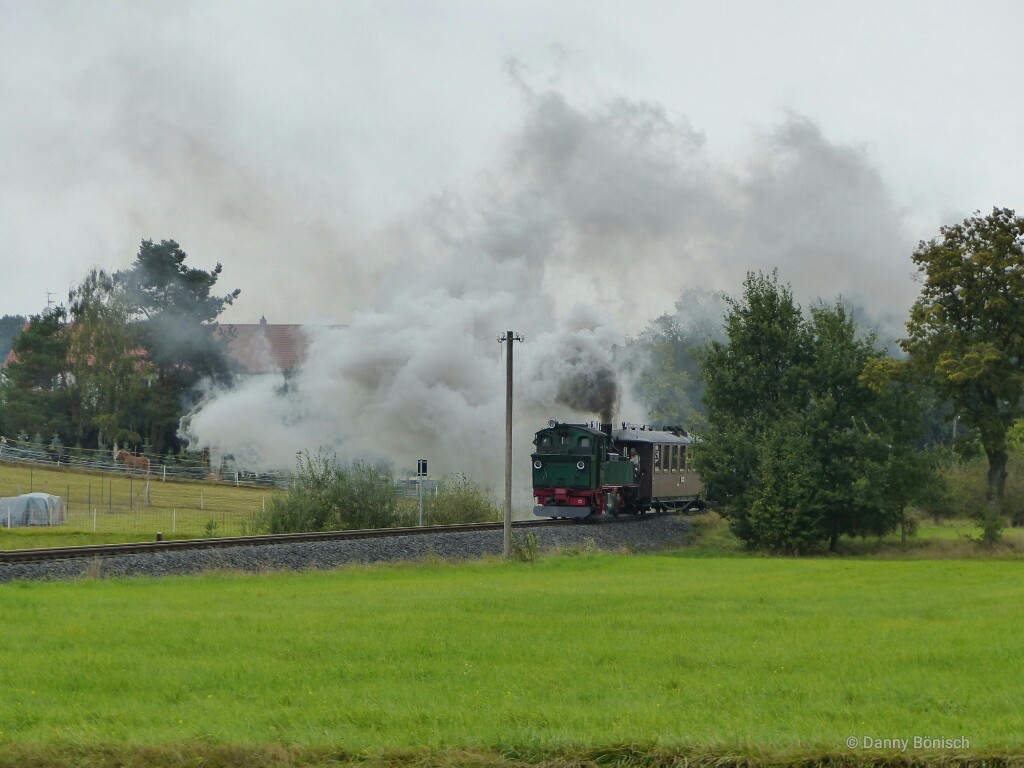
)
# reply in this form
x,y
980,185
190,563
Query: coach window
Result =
x,y
657,458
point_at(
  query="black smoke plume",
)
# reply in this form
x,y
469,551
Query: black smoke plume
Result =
x,y
595,391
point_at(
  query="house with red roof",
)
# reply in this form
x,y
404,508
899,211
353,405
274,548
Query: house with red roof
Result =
x,y
263,347
256,348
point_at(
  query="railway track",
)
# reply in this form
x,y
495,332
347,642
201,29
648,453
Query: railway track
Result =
x,y
113,550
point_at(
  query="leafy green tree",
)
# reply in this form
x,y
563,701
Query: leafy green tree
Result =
x,y
177,313
125,362
751,380
966,329
786,512
37,390
664,358
666,382
1015,440
908,473
111,370
800,450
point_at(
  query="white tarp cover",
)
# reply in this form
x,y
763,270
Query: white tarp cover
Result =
x,y
31,509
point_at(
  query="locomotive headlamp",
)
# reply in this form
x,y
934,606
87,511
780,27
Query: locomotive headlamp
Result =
x,y
580,465
537,464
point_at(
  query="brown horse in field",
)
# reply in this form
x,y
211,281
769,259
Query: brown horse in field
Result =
x,y
132,462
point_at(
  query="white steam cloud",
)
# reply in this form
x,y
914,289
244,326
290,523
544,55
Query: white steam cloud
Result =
x,y
593,223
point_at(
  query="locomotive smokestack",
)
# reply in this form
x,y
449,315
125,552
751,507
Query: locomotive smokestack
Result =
x,y
606,428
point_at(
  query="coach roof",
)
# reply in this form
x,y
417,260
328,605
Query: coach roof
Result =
x,y
651,436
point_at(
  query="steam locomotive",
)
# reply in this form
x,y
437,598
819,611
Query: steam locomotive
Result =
x,y
589,470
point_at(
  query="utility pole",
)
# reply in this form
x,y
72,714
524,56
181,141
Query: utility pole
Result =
x,y
510,337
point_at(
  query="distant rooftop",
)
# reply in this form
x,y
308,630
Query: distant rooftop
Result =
x,y
257,347
265,347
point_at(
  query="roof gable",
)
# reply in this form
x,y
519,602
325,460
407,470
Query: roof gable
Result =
x,y
264,347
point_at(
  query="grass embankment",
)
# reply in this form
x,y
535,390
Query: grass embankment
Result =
x,y
711,658
710,536
106,508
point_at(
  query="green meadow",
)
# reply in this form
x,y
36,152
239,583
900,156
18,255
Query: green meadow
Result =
x,y
710,658
115,508
110,508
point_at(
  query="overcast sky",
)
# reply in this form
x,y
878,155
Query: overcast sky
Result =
x,y
312,147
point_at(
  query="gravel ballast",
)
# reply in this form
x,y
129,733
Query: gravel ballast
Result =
x,y
643,535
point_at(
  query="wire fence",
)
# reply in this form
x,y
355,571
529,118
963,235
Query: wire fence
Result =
x,y
176,498
136,504
183,466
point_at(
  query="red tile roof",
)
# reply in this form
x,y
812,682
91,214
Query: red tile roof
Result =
x,y
257,347
265,348
11,357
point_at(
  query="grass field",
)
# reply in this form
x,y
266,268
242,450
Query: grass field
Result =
x,y
111,508
716,656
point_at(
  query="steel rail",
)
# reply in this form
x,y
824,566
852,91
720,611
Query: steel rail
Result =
x,y
147,547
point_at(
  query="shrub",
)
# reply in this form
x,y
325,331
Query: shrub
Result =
x,y
961,491
327,496
991,530
526,550
366,498
459,500
966,488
